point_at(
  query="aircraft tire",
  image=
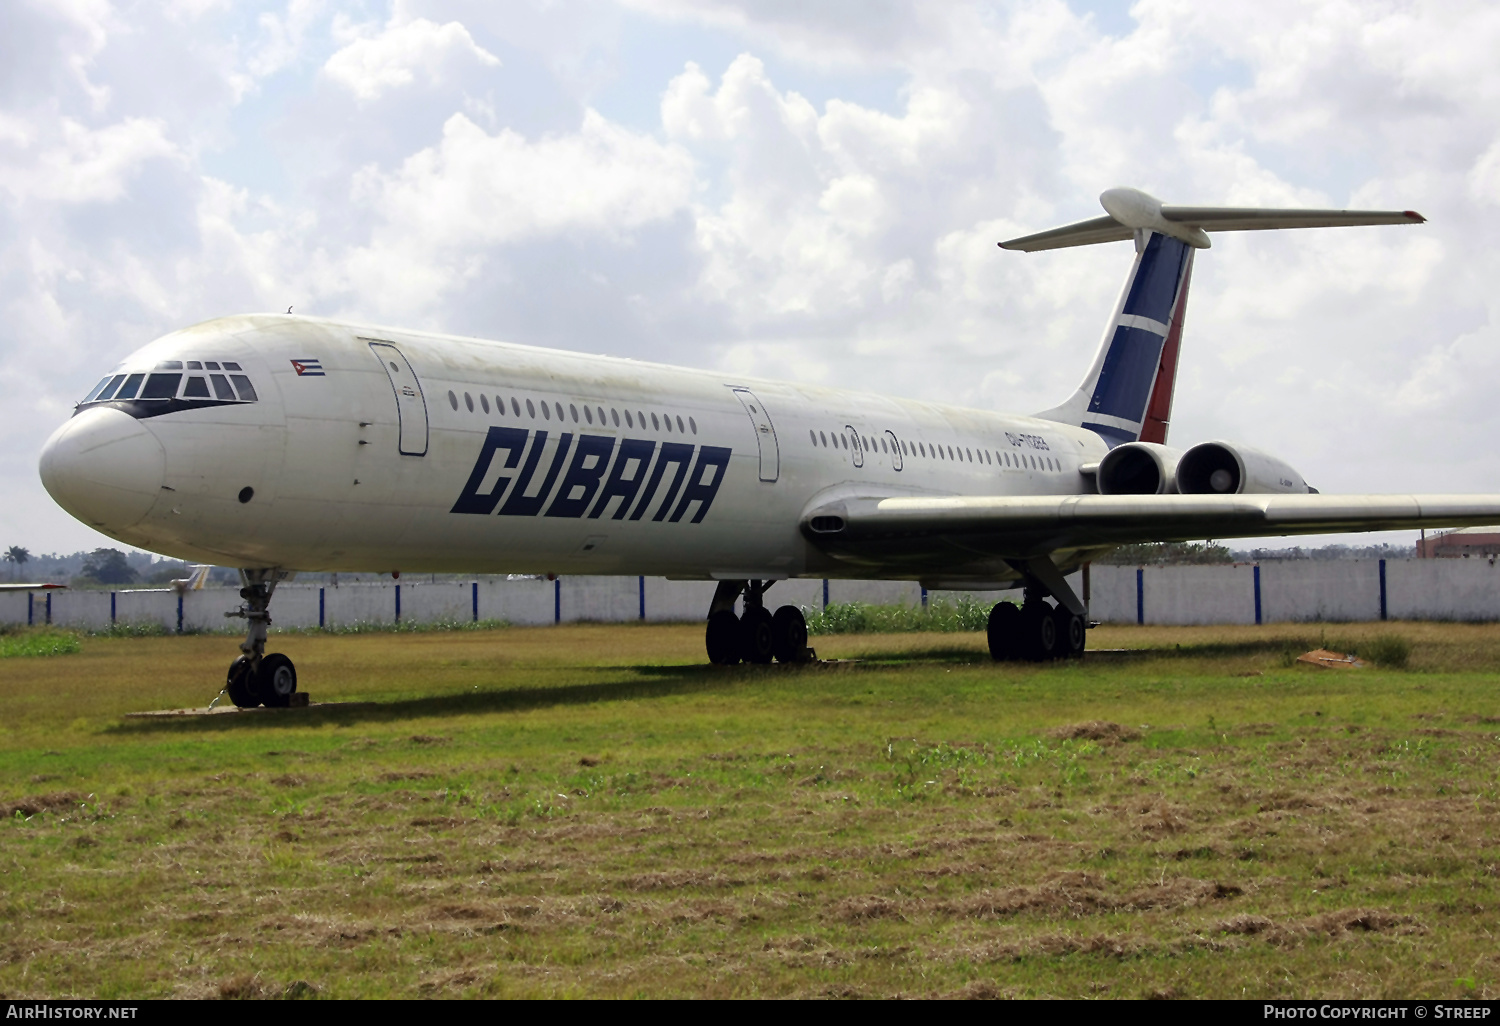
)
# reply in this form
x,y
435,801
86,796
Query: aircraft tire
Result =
x,y
722,638
789,635
1071,633
1041,631
1004,631
758,635
240,684
277,681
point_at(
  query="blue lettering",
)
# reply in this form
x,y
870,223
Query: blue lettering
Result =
x,y
582,477
513,440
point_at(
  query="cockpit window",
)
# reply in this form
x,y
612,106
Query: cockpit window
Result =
x,y
167,382
162,386
242,384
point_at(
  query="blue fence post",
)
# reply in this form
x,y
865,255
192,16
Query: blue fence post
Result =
x,y
557,600
474,595
398,603
1257,594
179,612
643,597
322,608
1382,589
111,609
49,609
1140,596
924,600
30,611
825,593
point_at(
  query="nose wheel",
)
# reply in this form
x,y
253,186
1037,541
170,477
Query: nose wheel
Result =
x,y
256,678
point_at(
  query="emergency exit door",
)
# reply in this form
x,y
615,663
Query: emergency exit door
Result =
x,y
765,434
411,405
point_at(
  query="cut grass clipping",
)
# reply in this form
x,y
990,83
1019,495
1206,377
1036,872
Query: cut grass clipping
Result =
x,y
592,810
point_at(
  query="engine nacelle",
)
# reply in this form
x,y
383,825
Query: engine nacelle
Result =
x,y
1138,468
1226,468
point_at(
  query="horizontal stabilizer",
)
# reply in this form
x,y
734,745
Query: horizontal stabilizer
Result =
x,y
1131,210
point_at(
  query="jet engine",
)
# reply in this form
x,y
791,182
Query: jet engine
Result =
x,y
1138,468
1226,468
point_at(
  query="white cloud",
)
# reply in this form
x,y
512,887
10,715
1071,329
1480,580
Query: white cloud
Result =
x,y
373,65
79,164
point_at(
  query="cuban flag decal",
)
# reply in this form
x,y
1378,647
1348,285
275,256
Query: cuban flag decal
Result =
x,y
308,368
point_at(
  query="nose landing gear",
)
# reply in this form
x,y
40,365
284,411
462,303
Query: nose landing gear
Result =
x,y
757,636
256,678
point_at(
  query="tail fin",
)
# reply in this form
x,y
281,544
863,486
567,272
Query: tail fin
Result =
x,y
1127,393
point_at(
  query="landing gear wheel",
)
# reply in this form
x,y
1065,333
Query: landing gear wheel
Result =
x,y
241,684
757,635
1004,631
722,638
276,681
1070,633
789,635
1040,630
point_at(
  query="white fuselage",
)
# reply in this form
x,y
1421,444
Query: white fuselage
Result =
x,y
386,461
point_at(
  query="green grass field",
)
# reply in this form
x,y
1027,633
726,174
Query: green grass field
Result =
x,y
592,810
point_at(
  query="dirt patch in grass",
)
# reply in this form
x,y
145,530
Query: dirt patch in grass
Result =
x,y
35,805
1096,730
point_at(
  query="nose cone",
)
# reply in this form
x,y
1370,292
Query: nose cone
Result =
x,y
104,467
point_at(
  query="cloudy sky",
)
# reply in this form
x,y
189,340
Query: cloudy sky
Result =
x,y
811,191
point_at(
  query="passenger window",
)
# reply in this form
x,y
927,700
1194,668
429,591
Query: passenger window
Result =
x,y
530,410
642,418
629,420
452,399
559,410
588,414
221,387
197,388
162,386
614,415
243,386
546,411
844,441
499,406
813,435
679,424
469,401
667,418
824,438
693,424
484,401
882,446
655,424
600,409
574,411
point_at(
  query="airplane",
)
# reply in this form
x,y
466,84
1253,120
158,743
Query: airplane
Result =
x,y
282,444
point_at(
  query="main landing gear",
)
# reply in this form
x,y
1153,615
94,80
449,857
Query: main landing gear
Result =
x,y
1037,630
256,678
757,636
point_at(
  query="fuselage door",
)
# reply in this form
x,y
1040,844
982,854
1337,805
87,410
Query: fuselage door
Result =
x,y
765,434
895,442
411,406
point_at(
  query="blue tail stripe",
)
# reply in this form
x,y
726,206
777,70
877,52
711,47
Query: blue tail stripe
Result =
x,y
1112,435
1155,287
1128,373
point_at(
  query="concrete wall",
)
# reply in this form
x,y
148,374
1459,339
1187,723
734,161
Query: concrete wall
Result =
x,y
1426,589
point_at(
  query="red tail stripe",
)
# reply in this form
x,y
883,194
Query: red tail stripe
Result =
x,y
1159,409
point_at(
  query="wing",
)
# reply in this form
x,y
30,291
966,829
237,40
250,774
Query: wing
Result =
x,y
30,587
958,529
